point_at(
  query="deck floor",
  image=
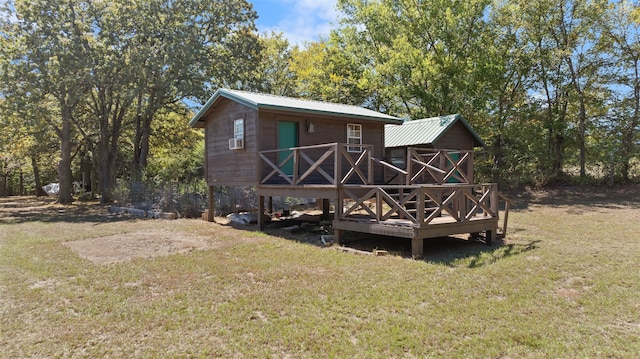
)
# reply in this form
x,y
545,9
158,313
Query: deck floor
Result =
x,y
404,228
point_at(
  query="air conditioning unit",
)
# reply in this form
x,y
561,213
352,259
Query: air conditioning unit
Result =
x,y
236,143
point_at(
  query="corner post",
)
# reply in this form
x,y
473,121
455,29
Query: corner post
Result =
x,y
417,250
338,234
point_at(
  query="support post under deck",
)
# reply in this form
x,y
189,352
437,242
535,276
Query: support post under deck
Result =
x,y
212,204
417,248
489,237
326,215
261,213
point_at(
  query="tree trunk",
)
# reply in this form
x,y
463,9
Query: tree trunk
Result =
x,y
141,146
498,158
65,178
3,179
36,174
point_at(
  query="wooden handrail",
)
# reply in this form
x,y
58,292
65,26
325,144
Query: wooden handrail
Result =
x,y
308,164
390,166
457,201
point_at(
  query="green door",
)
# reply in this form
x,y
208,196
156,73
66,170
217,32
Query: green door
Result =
x,y
287,138
455,157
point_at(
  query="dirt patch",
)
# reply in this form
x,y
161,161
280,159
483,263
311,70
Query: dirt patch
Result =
x,y
128,246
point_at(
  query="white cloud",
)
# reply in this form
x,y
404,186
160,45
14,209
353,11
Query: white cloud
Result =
x,y
307,20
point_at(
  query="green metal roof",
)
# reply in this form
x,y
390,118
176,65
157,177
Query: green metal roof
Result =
x,y
259,101
423,132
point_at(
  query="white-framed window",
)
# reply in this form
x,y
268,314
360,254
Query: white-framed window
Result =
x,y
237,141
354,137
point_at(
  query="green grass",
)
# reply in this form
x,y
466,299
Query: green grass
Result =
x,y
565,283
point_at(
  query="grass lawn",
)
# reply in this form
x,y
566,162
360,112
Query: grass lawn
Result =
x,y
565,283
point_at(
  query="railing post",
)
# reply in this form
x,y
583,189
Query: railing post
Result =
x,y
337,175
409,165
470,167
379,204
370,179
296,163
443,164
339,204
420,207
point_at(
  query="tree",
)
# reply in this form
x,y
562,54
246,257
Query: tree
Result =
x,y
46,49
621,41
109,64
271,73
178,47
421,55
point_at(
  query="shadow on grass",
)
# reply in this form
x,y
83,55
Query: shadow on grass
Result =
x,y
456,252
44,209
579,197
453,251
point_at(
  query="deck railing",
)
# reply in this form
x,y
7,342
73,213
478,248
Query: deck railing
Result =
x,y
327,164
433,166
334,164
418,205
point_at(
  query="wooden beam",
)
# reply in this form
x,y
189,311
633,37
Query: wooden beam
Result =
x,y
338,236
261,213
326,209
489,237
417,248
212,204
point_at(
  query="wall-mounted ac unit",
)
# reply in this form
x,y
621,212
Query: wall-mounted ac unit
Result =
x,y
236,143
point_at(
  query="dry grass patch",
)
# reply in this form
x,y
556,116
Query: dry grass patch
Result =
x,y
140,244
565,284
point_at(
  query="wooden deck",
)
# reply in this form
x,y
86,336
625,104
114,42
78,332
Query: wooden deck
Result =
x,y
355,182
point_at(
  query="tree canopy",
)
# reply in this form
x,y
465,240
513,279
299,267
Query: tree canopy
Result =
x,y
553,87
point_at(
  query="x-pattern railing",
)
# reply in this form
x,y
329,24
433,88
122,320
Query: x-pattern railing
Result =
x,y
419,205
441,166
319,164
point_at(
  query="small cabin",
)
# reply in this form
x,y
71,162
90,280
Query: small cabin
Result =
x,y
347,155
451,132
238,125
425,137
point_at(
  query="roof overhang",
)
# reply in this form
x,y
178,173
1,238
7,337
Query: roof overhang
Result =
x,y
277,103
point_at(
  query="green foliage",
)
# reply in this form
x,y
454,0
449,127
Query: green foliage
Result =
x,y
531,77
105,69
551,86
177,151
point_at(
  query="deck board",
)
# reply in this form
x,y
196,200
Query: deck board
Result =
x,y
396,227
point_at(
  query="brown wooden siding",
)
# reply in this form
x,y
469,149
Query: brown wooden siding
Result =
x,y
325,130
457,137
224,166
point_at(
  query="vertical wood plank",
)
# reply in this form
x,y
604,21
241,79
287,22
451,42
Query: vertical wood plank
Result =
x,y
261,222
325,209
417,248
420,207
337,175
212,204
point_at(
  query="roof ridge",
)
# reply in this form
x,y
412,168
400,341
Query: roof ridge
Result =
x,y
301,99
430,119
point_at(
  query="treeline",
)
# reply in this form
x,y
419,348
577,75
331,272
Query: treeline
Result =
x,y
103,88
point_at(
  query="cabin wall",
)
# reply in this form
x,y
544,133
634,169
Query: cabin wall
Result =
x,y
324,130
457,137
225,167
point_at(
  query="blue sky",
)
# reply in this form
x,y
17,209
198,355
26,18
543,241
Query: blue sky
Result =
x,y
298,20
